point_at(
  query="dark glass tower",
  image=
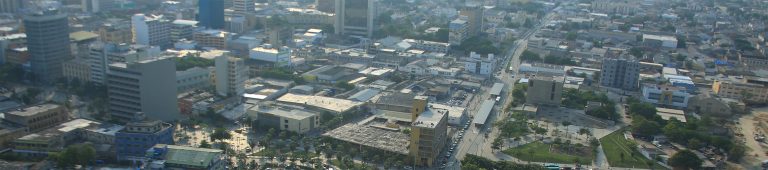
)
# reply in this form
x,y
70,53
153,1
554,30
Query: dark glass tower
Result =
x,y
48,44
211,14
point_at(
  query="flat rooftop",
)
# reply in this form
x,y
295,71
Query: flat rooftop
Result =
x,y
184,155
430,118
67,127
328,103
667,114
295,114
496,89
32,110
453,111
388,140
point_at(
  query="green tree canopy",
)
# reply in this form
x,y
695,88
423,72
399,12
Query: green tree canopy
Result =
x,y
685,159
77,154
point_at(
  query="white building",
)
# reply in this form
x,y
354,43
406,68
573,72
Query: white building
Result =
x,y
280,56
151,30
230,75
476,64
101,55
193,78
666,95
457,31
660,41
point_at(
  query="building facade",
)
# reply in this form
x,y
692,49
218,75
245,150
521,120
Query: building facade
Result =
x,y
545,91
151,30
39,117
665,95
77,69
474,15
211,14
147,86
354,17
429,132
212,39
11,6
193,78
243,7
458,31
48,44
751,90
477,64
279,56
231,74
132,142
620,72
287,119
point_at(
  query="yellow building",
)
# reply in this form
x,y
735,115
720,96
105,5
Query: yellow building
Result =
x,y
115,33
428,132
37,118
749,89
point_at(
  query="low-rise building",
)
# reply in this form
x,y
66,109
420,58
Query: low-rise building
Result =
x,y
329,74
321,103
138,136
212,39
37,118
749,89
55,139
164,156
706,104
660,41
476,64
288,119
664,95
77,69
279,56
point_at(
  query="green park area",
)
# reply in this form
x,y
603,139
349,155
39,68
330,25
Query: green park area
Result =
x,y
553,153
621,152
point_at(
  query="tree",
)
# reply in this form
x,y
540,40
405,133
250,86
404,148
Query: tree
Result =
x,y
684,159
571,36
643,127
204,144
529,56
220,134
637,52
646,110
78,154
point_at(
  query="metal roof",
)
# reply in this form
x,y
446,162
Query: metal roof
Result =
x,y
496,89
485,110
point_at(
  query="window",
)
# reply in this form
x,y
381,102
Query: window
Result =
x,y
285,126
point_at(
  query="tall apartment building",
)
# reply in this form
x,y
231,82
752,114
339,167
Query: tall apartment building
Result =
x,y
48,44
211,14
474,14
147,86
749,89
101,55
115,33
327,6
183,29
37,118
545,91
458,31
622,72
230,76
477,64
354,17
243,7
212,38
151,30
429,131
11,6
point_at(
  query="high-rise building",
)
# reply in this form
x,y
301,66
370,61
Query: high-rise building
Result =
x,y
11,6
101,55
458,31
95,6
230,73
327,6
183,29
147,86
243,7
474,14
429,131
211,14
622,72
151,30
48,44
545,91
354,17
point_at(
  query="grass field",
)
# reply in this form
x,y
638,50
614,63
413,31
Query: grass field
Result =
x,y
541,153
615,145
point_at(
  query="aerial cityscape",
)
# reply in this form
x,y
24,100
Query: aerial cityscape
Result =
x,y
384,84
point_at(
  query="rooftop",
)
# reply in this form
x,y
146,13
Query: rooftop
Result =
x,y
496,89
184,155
484,112
32,110
430,118
295,114
667,114
388,140
328,103
82,35
67,127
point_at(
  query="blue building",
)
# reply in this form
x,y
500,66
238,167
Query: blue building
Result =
x,y
132,142
211,14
